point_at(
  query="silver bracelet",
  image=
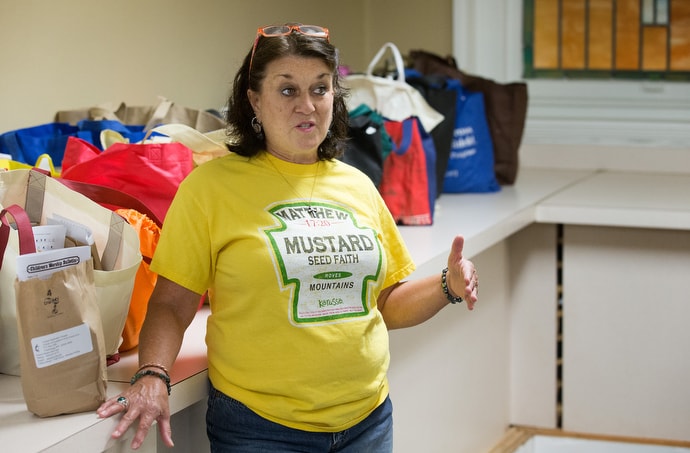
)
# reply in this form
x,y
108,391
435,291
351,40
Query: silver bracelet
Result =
x,y
444,287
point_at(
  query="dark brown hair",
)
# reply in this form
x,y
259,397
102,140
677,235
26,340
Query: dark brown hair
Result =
x,y
244,140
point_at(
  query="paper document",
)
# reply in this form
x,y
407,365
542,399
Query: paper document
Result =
x,y
76,231
42,264
49,237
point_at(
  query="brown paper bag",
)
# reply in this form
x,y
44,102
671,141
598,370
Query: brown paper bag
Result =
x,y
61,347
61,341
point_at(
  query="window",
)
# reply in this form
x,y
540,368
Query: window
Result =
x,y
631,114
580,39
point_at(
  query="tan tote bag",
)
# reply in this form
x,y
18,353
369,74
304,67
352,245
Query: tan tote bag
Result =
x,y
62,357
164,111
116,241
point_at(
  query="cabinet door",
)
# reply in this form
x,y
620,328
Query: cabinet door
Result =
x,y
533,302
626,332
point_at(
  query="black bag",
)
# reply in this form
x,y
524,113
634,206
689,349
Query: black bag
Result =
x,y
368,143
434,89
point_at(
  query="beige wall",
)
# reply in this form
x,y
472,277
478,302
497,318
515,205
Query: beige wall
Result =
x,y
410,24
67,54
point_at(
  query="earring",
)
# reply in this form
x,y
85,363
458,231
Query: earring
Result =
x,y
258,128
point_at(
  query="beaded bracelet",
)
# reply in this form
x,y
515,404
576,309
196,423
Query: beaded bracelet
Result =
x,y
154,365
444,287
140,374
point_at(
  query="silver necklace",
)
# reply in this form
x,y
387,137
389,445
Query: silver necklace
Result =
x,y
310,209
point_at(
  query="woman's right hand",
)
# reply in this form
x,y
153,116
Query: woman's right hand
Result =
x,y
170,310
147,401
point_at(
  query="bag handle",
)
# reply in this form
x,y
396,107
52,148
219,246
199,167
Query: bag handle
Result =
x,y
189,137
108,111
204,146
408,126
112,245
399,64
35,194
159,112
105,195
27,244
105,111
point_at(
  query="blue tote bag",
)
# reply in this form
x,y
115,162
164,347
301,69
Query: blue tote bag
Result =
x,y
28,144
470,166
132,133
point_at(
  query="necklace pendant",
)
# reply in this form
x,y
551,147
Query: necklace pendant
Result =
x,y
311,211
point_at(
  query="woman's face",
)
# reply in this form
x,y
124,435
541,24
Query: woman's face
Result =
x,y
295,106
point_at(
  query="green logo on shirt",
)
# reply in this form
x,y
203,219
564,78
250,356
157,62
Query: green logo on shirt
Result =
x,y
325,259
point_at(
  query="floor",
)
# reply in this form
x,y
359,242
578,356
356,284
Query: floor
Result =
x,y
520,439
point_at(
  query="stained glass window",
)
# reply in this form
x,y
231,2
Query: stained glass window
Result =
x,y
644,39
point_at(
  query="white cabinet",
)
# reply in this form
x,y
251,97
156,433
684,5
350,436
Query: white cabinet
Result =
x,y
626,331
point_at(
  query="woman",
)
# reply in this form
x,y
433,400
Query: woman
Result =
x,y
304,275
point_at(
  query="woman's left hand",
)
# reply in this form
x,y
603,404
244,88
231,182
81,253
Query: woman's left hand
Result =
x,y
462,278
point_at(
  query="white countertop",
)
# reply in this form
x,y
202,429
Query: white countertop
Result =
x,y
638,200
488,218
539,195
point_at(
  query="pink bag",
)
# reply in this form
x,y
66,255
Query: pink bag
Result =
x,y
150,172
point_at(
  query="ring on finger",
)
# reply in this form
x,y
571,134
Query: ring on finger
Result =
x,y
122,401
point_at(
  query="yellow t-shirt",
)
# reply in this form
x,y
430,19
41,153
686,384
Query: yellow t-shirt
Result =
x,y
294,331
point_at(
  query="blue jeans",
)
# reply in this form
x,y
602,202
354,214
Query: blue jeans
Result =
x,y
233,427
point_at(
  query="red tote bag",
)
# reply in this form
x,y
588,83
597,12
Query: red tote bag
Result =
x,y
150,172
405,182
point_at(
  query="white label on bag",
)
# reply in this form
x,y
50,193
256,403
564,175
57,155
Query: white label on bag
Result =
x,y
43,264
60,346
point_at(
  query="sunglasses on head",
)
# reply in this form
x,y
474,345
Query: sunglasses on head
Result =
x,y
271,31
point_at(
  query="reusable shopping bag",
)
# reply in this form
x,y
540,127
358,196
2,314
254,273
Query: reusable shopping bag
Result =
x,y
368,142
205,146
471,163
164,111
60,331
96,128
150,172
147,225
116,242
405,185
26,145
442,98
506,109
145,280
44,162
393,98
